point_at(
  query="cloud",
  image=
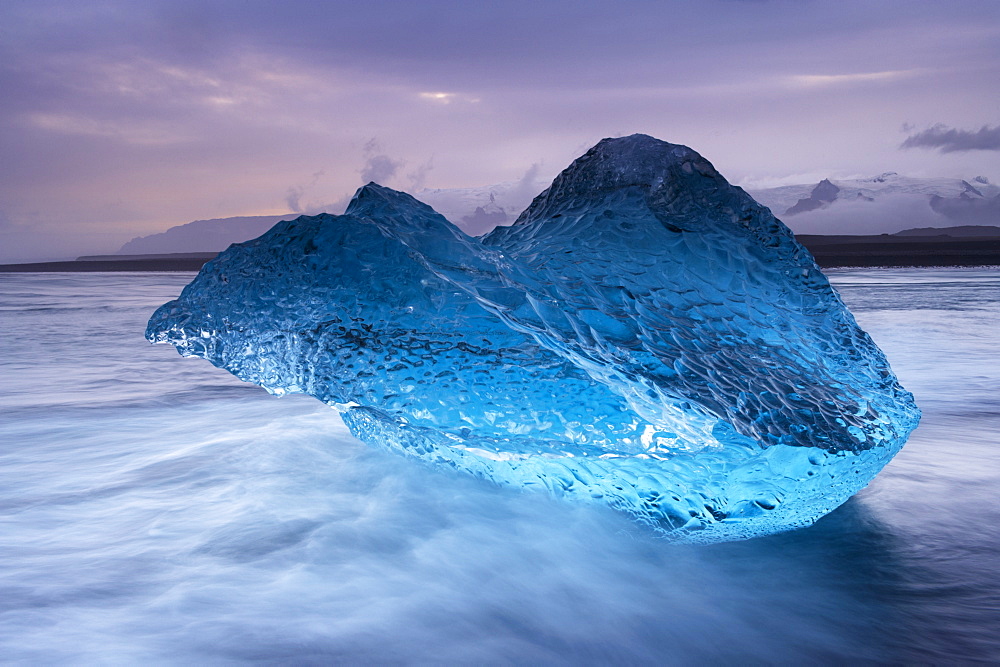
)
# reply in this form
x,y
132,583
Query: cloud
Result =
x,y
527,186
336,207
292,198
140,132
379,167
968,211
886,215
182,110
950,140
443,98
448,98
418,177
811,80
295,192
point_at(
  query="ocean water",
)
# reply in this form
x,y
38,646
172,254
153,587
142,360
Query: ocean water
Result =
x,y
154,509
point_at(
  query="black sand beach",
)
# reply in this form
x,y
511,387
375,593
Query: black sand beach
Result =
x,y
186,261
829,251
902,251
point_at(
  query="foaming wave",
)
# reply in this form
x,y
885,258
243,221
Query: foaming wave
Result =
x,y
184,517
259,530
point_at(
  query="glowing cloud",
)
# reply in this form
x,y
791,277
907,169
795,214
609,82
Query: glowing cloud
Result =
x,y
443,98
815,80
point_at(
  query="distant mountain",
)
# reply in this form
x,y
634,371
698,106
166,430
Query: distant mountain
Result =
x,y
963,231
203,235
783,198
824,193
475,210
478,210
968,208
882,204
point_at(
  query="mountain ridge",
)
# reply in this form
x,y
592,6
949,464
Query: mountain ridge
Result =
x,y
887,203
211,235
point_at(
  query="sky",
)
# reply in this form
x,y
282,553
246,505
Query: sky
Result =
x,y
119,119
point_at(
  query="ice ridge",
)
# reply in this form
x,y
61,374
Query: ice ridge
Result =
x,y
644,335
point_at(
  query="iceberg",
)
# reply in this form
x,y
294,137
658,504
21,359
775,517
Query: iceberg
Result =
x,y
644,335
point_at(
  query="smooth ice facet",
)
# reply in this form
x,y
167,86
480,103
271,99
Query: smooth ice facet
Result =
x,y
645,335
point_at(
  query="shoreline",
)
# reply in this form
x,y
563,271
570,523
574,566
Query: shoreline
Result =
x,y
109,263
829,251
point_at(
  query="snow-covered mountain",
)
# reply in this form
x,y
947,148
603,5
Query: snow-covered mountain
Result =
x,y
882,204
886,203
478,210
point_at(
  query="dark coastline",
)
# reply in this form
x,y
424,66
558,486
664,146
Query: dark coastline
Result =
x,y
896,251
829,251
104,263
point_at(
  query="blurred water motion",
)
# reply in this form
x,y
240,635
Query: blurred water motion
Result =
x,y
156,509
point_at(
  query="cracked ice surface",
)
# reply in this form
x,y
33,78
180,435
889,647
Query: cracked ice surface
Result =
x,y
645,335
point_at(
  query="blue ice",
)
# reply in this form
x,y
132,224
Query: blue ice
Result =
x,y
645,335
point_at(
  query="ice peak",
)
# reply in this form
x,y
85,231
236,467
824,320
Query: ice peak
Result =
x,y
369,193
373,198
639,162
637,159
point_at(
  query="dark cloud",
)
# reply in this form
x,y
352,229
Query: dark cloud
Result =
x,y
950,140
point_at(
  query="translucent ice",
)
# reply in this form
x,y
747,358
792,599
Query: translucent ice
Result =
x,y
644,335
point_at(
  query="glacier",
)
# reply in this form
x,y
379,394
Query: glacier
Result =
x,y
645,335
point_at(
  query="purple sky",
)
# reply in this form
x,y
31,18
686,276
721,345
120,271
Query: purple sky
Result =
x,y
123,118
